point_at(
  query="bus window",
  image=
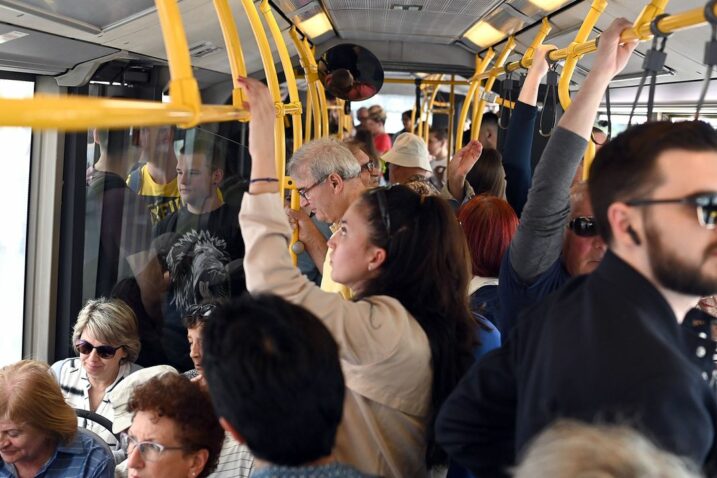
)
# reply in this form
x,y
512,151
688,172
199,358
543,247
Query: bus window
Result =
x,y
14,191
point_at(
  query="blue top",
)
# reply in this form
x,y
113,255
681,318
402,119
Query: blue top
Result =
x,y
84,457
516,294
488,336
332,470
517,155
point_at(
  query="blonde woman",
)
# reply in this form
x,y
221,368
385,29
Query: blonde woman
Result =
x,y
107,342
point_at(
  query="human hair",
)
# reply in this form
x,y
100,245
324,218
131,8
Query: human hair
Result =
x,y
441,134
29,394
490,120
198,315
487,175
274,373
569,449
340,82
322,157
111,321
625,168
363,140
489,224
378,116
425,241
407,114
114,142
213,149
176,398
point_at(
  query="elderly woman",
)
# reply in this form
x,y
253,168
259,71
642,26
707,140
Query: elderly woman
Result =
x,y
174,432
38,430
106,339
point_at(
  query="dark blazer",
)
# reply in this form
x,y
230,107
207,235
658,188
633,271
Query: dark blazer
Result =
x,y
606,348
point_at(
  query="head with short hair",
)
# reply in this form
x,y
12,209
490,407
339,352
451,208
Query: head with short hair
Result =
x,y
438,142
323,171
407,121
489,224
488,133
184,412
488,176
110,321
274,374
30,395
653,190
362,115
367,157
200,170
376,120
582,253
422,240
570,449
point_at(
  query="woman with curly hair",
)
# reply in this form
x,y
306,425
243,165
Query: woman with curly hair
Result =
x,y
174,432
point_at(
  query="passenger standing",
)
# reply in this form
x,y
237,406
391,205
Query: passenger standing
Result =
x,y
404,342
375,124
274,374
610,347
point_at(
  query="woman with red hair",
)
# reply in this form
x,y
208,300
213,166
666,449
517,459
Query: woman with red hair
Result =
x,y
489,224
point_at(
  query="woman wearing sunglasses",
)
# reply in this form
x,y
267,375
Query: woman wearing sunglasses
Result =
x,y
405,339
174,431
106,339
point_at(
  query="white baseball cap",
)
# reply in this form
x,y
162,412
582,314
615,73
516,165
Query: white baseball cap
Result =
x,y
409,151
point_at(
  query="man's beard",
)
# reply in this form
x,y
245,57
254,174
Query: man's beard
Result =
x,y
674,273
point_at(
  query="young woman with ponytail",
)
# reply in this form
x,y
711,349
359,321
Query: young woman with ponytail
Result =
x,y
405,339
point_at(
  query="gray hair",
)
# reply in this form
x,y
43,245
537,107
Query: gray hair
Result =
x,y
569,448
322,157
110,321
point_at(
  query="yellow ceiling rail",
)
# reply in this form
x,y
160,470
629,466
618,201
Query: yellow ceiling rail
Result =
x,y
429,110
499,62
234,50
545,28
294,100
321,92
78,113
481,65
308,63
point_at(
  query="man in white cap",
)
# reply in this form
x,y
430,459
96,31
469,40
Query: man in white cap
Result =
x,y
410,164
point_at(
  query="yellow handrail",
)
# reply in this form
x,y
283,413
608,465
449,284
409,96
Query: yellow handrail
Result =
x,y
429,110
234,50
308,63
481,65
500,61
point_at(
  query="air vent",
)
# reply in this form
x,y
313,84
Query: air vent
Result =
x,y
407,8
202,49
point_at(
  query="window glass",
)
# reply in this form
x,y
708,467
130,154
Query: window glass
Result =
x,y
14,190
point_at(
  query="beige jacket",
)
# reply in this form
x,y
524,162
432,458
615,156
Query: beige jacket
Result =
x,y
385,355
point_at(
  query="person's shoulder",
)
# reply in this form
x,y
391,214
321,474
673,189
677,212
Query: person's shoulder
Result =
x,y
65,366
97,451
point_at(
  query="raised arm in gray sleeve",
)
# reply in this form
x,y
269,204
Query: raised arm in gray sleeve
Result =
x,y
539,239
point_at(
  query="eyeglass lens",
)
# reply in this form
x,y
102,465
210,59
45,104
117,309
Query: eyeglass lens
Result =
x,y
104,351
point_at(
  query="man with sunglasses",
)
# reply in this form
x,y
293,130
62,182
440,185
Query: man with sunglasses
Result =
x,y
617,345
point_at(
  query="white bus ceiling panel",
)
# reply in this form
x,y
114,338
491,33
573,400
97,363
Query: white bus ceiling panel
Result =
x,y
43,53
439,21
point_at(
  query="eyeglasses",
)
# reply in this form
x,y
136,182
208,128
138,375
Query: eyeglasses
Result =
x,y
104,351
368,167
705,203
583,226
304,192
149,450
200,310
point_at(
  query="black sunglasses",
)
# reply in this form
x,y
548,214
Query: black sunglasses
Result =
x,y
583,226
705,203
104,351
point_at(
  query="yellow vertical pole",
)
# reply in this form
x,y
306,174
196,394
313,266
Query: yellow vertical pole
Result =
x,y
312,78
481,65
267,60
451,114
183,87
322,95
500,61
234,51
429,109
341,118
295,102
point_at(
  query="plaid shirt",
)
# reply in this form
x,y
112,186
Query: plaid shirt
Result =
x,y
84,457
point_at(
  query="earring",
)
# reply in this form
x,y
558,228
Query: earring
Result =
x,y
369,267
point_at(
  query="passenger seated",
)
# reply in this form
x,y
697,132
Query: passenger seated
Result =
x,y
174,431
570,449
274,374
105,337
38,430
406,339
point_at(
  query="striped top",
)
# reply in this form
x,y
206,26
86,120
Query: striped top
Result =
x,y
235,460
84,457
75,387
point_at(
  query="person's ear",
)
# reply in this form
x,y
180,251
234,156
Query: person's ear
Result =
x,y
198,462
229,428
625,225
336,182
377,258
217,176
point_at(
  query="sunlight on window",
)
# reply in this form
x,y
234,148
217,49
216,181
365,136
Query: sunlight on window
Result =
x,y
14,191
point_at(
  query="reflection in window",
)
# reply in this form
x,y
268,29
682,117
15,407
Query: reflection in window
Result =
x,y
14,191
